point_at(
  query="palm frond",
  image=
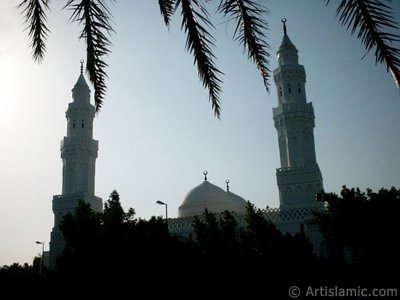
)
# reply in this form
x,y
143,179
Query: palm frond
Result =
x,y
198,43
373,21
35,16
95,16
167,9
250,31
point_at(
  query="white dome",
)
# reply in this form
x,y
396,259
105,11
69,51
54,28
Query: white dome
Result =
x,y
215,199
240,203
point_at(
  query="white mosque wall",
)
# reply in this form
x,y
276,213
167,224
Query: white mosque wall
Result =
x,y
293,221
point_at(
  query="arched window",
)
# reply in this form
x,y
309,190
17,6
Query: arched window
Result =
x,y
73,124
289,88
83,123
299,88
280,91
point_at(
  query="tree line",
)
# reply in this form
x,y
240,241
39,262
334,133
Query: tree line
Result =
x,y
117,248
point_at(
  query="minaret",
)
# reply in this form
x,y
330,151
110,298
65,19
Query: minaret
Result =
x,y
78,153
299,177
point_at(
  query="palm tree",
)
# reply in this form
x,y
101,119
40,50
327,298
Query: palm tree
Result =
x,y
371,20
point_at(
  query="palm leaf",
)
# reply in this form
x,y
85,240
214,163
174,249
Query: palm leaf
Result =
x,y
167,9
35,16
250,31
373,21
198,43
95,18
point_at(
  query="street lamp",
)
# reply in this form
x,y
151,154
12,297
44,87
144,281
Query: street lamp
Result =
x,y
41,259
166,211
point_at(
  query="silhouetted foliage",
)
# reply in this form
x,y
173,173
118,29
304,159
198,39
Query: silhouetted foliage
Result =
x,y
371,18
261,235
253,253
19,271
20,281
227,255
117,246
363,227
217,238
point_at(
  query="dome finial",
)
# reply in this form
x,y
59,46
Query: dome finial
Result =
x,y
205,172
284,26
82,61
227,185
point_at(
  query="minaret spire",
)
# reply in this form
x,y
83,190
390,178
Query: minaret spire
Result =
x,y
205,172
287,52
284,26
82,61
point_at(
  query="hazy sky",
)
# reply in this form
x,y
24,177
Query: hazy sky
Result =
x,y
157,132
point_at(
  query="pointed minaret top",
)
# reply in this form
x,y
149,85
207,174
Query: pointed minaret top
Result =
x,y
287,52
81,91
286,42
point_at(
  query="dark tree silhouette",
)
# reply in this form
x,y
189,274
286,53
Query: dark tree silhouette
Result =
x,y
372,19
364,226
114,215
217,237
253,253
115,245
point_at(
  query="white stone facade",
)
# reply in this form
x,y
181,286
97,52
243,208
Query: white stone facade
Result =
x,y
299,177
78,153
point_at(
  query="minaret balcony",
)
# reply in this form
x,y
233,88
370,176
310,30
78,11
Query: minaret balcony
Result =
x,y
299,175
74,141
68,202
293,108
293,170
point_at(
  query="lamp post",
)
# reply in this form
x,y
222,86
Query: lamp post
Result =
x,y
41,259
166,211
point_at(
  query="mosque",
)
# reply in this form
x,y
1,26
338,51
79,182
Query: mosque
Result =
x,y
299,178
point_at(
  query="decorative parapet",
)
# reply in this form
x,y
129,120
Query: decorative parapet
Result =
x,y
300,214
293,71
293,108
183,226
68,202
67,141
293,112
290,170
70,196
272,214
74,108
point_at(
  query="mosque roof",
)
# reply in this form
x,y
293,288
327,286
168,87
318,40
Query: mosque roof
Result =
x,y
239,201
212,197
